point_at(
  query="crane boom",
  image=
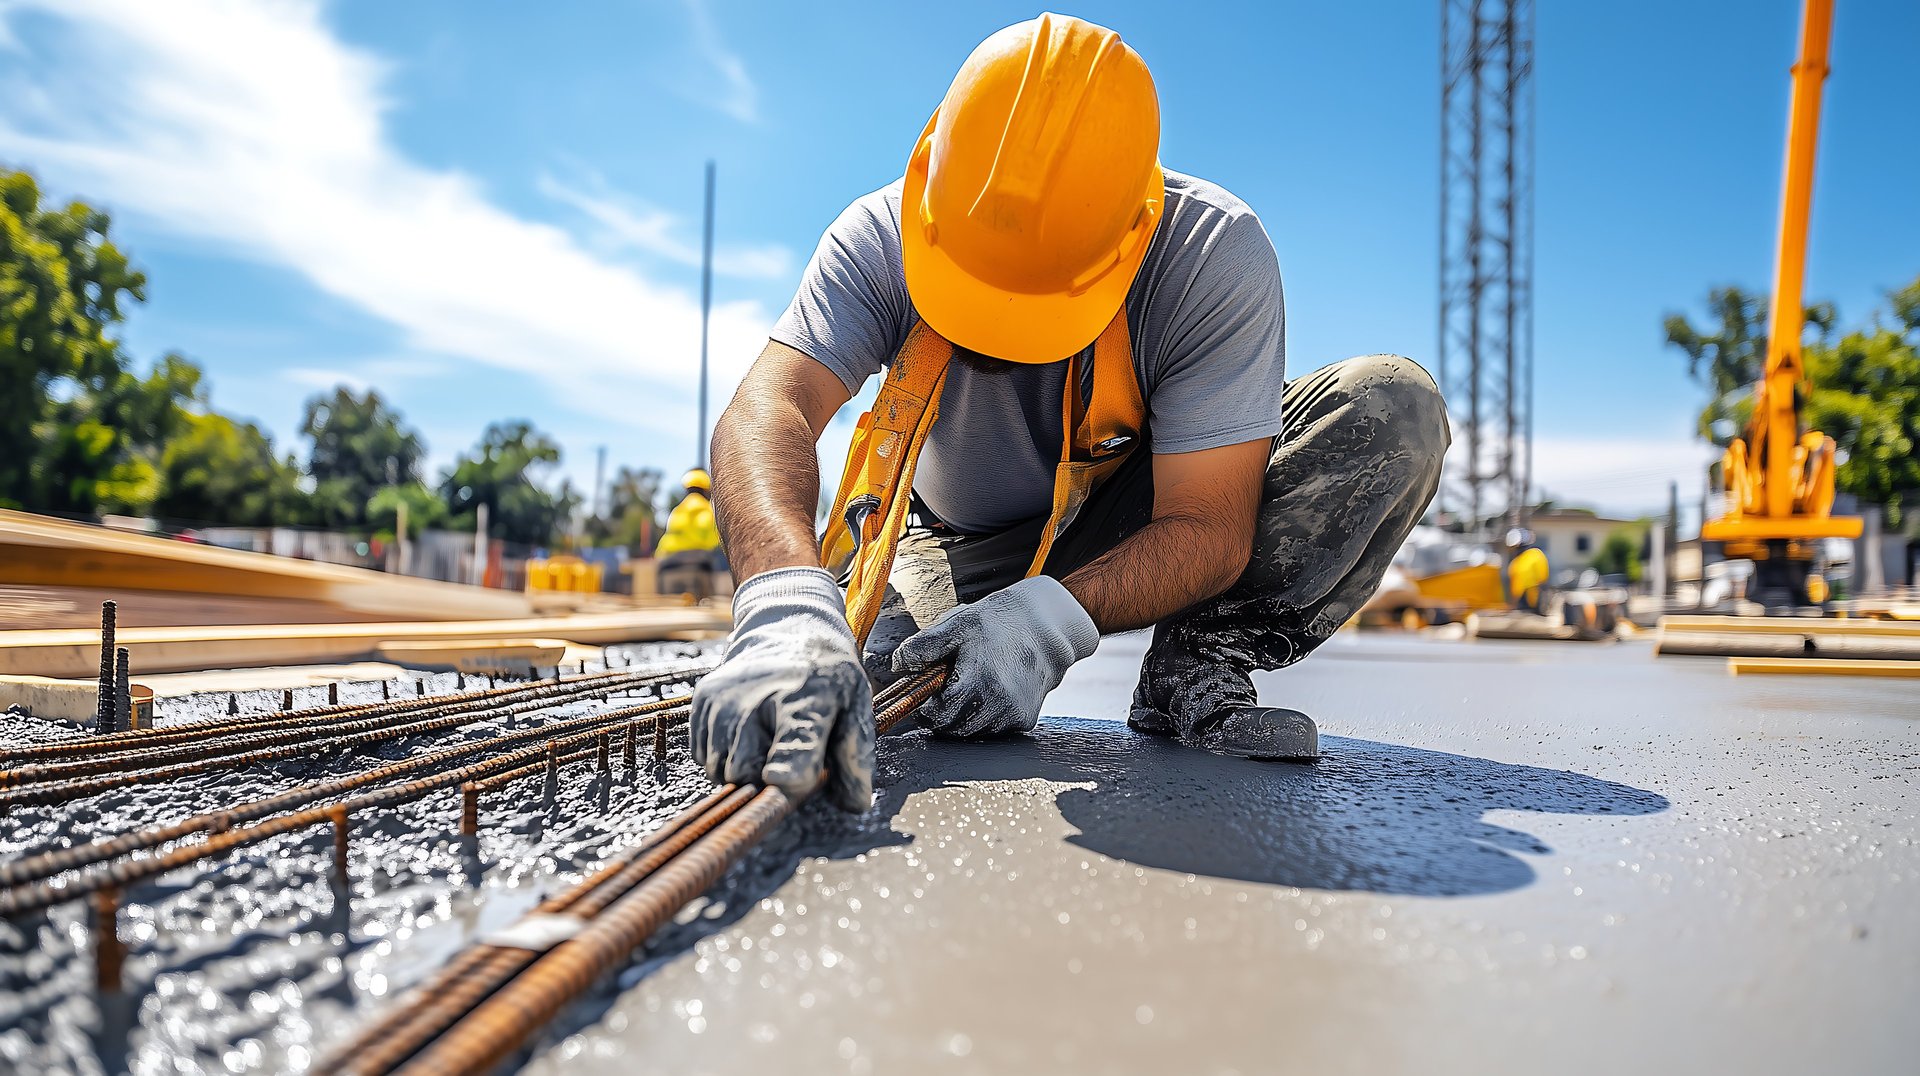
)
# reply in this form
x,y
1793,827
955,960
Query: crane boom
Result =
x,y
1779,480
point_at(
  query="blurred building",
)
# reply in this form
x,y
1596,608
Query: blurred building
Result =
x,y
1571,538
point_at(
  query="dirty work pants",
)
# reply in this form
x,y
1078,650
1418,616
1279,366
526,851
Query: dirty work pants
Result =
x,y
1353,469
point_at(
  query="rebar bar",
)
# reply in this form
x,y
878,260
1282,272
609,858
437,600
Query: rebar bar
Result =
x,y
338,816
491,998
493,1029
261,746
127,872
476,972
122,691
208,728
43,865
109,952
104,709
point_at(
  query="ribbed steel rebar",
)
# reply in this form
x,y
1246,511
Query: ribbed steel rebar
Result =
x,y
43,787
220,730
478,971
211,728
104,708
127,872
502,1023
496,1000
151,757
36,866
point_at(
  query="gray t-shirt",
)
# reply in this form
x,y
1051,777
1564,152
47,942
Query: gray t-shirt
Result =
x,y
1208,328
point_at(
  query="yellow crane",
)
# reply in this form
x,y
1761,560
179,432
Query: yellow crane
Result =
x,y
1779,479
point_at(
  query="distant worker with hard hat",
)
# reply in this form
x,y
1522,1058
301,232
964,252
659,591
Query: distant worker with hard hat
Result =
x,y
688,553
1083,426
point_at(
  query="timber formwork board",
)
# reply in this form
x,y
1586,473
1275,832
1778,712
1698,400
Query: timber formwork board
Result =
x,y
1788,625
38,551
1823,667
1815,638
73,652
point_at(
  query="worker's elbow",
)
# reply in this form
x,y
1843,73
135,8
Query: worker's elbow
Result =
x,y
1235,553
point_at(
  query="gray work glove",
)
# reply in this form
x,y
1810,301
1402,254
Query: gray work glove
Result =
x,y
1009,649
791,698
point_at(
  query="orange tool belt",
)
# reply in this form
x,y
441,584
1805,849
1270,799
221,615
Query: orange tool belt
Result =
x,y
870,511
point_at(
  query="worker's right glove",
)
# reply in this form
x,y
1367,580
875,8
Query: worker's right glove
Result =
x,y
791,698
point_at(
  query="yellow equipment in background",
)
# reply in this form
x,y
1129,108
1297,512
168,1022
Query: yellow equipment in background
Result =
x,y
1779,480
563,573
1476,585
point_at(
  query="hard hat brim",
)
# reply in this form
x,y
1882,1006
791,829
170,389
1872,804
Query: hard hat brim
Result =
x,y
1024,327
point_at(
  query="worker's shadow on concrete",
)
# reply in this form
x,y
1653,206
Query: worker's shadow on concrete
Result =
x,y
1373,817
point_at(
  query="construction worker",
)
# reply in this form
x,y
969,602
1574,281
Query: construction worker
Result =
x,y
1083,427
687,555
1527,579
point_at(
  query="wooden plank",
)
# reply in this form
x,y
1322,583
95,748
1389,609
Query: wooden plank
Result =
x,y
478,655
1787,625
39,551
1824,667
1881,647
74,651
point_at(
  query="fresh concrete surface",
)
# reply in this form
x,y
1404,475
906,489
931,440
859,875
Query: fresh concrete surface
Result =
x,y
1549,856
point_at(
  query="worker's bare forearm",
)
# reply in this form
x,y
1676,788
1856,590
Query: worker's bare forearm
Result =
x,y
1196,545
1165,566
766,479
765,485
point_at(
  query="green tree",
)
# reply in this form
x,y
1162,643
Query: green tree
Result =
x,y
359,447
1620,552
63,285
99,449
503,472
1864,386
1730,359
632,517
219,470
1866,396
425,509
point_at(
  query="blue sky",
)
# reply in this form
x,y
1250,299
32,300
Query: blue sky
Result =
x,y
492,210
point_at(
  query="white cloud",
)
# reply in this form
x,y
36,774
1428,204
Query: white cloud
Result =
x,y
737,97
622,223
1622,474
249,126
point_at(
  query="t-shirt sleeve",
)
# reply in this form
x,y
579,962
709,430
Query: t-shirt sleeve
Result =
x,y
1225,366
851,311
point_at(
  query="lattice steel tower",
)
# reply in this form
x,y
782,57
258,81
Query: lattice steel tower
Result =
x,y
1486,254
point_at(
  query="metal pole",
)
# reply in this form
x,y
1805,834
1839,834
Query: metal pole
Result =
x,y
480,545
706,308
599,478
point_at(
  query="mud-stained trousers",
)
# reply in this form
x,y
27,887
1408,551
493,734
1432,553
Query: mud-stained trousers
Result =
x,y
1356,464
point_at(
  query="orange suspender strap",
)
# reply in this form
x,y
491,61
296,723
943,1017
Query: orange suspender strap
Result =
x,y
870,511
1097,437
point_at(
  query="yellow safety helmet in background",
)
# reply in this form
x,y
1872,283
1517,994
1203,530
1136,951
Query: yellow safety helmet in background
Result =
x,y
1034,191
697,479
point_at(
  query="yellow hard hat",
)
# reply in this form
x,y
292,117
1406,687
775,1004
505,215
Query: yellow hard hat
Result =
x,y
696,479
1034,191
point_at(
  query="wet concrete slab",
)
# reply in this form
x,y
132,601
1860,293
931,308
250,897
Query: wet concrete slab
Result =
x,y
1514,856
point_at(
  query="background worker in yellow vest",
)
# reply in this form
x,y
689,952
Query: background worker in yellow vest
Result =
x,y
1243,518
688,553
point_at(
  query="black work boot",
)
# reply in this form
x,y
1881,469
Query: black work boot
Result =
x,y
1210,704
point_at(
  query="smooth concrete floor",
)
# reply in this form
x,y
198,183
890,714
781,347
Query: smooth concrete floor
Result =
x,y
1514,857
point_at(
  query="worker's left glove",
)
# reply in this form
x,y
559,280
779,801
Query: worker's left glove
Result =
x,y
1009,650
